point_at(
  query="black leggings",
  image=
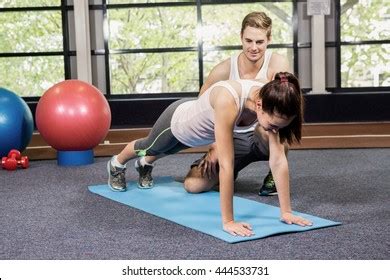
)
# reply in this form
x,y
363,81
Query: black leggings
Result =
x,y
160,139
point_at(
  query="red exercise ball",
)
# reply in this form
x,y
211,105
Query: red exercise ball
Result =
x,y
73,116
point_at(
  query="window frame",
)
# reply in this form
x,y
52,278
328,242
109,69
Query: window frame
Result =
x,y
338,44
66,53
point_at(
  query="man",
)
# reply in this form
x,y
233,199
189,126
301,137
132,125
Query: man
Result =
x,y
255,61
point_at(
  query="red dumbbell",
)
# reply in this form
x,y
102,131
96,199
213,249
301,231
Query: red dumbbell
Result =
x,y
14,160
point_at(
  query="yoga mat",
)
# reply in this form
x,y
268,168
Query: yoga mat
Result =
x,y
168,200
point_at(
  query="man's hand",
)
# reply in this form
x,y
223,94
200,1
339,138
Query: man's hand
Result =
x,y
208,164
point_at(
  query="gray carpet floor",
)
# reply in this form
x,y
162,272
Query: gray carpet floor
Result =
x,y
47,212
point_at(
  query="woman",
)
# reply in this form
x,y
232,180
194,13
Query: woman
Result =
x,y
278,108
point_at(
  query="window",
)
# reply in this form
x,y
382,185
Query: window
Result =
x,y
153,49
31,46
166,48
365,43
171,47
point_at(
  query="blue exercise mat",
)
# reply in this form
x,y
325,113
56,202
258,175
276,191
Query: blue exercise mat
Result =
x,y
168,200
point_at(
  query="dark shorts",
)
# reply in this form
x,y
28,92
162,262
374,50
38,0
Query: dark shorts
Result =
x,y
246,151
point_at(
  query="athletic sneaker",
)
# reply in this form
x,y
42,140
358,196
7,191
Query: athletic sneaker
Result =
x,y
268,187
145,179
116,177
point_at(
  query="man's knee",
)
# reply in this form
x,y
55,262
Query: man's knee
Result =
x,y
196,183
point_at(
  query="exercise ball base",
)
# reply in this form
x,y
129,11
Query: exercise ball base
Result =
x,y
75,158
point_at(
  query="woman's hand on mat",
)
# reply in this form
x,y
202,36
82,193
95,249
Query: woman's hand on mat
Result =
x,y
208,164
238,228
290,219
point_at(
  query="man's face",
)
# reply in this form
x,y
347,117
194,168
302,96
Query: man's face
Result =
x,y
254,43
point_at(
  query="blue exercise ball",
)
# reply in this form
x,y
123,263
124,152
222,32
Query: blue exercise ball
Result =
x,y
16,122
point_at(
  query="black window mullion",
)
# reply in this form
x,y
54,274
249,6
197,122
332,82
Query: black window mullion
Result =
x,y
200,41
295,37
338,45
65,36
370,42
106,48
31,9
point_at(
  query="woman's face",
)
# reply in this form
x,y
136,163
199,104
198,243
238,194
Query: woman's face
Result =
x,y
272,123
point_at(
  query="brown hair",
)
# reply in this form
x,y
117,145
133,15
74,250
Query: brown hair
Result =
x,y
257,20
283,95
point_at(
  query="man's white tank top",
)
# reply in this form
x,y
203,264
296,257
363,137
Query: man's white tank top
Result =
x,y
193,121
262,74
